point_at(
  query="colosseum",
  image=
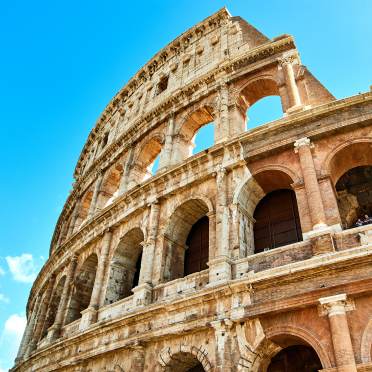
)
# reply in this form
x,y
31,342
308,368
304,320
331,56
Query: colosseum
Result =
x,y
252,255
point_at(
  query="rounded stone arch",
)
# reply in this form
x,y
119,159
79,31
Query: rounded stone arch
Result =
x,y
110,185
366,343
146,153
255,89
255,198
184,198
359,154
82,286
349,166
180,223
125,265
181,357
261,86
302,335
187,126
257,184
281,168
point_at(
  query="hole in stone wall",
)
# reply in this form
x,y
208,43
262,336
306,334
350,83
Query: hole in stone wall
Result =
x,y
163,85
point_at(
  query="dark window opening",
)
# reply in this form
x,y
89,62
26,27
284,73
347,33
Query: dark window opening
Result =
x,y
295,358
197,252
277,221
163,84
137,272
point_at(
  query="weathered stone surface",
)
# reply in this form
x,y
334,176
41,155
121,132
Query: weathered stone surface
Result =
x,y
113,295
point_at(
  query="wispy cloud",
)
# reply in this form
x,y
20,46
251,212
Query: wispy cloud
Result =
x,y
23,268
4,299
2,272
11,336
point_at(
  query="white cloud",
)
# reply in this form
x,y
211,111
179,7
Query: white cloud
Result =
x,y
4,299
23,267
2,272
11,336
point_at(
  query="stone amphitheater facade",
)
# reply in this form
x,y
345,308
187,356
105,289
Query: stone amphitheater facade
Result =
x,y
126,288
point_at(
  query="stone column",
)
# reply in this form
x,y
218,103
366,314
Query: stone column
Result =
x,y
166,153
123,187
336,307
44,306
98,292
89,315
93,203
222,130
303,148
223,348
142,293
220,266
27,335
290,80
55,330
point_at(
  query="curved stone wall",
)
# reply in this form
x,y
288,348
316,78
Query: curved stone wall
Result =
x,y
113,291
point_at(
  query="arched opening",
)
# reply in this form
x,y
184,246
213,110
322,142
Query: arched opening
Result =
x,y
53,307
295,358
268,213
84,207
184,362
271,107
354,196
125,266
187,240
195,135
277,222
144,166
203,138
351,172
265,110
82,288
110,186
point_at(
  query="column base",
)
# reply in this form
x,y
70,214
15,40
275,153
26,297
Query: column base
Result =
x,y
142,295
88,317
219,271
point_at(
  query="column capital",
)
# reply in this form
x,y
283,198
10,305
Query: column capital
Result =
x,y
335,305
287,60
220,172
304,141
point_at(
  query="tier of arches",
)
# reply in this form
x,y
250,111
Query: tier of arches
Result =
x,y
173,144
270,215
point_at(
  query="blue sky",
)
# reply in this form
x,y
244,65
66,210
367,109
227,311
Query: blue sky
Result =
x,y
61,62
